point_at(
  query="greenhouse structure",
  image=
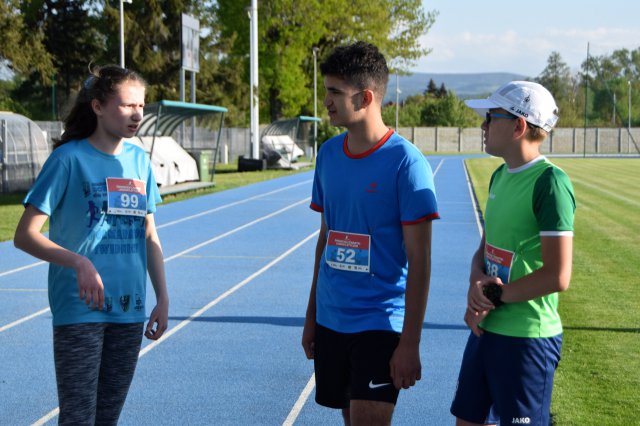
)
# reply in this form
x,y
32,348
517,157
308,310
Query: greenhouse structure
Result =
x,y
23,151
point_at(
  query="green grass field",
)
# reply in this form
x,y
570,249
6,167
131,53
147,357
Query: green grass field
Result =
x,y
598,380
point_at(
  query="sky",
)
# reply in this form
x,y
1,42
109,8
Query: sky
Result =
x,y
471,36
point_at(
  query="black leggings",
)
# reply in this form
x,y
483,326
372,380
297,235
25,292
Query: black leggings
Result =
x,y
94,368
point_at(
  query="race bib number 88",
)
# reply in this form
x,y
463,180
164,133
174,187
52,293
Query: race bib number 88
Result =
x,y
348,252
498,262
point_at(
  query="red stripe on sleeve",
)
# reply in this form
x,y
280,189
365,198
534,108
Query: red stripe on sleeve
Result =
x,y
316,207
432,216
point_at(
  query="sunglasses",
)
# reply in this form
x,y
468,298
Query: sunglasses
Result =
x,y
489,115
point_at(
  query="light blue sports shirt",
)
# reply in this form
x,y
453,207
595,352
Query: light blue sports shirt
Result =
x,y
72,190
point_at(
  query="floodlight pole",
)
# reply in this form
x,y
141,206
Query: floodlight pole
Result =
x,y
122,31
586,96
4,157
255,99
315,100
629,119
397,99
54,116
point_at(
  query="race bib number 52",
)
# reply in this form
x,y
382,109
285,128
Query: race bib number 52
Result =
x,y
348,252
126,197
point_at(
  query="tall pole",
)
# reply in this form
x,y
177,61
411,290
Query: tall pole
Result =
x,y
122,31
182,134
54,116
397,99
586,101
255,99
121,34
193,100
629,118
315,100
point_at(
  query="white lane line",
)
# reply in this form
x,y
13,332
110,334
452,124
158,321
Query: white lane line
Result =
x,y
196,256
50,415
53,413
476,208
297,407
22,268
164,225
438,167
226,294
189,250
233,231
21,320
226,206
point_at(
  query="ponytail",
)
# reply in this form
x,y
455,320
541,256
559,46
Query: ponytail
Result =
x,y
81,121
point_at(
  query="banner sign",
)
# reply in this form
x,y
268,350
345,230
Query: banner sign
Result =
x,y
190,41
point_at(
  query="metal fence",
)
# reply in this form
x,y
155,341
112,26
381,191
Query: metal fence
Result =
x,y
235,141
560,141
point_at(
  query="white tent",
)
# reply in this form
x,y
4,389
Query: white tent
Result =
x,y
171,163
280,150
23,151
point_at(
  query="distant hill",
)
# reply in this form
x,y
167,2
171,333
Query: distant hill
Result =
x,y
464,85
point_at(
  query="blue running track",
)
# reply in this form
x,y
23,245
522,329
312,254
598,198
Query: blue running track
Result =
x,y
239,266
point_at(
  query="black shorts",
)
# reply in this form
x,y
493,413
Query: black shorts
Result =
x,y
354,366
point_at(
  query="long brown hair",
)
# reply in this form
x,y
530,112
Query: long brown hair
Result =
x,y
81,121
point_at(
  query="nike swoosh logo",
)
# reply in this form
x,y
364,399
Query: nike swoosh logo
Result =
x,y
377,385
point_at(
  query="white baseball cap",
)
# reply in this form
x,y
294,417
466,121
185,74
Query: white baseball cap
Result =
x,y
523,99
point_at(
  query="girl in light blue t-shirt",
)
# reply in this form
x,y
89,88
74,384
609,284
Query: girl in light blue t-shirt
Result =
x,y
99,194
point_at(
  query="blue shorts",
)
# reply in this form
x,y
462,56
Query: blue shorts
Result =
x,y
506,380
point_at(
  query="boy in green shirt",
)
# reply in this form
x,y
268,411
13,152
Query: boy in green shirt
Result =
x,y
523,261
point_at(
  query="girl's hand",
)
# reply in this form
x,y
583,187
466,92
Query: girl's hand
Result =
x,y
90,284
160,319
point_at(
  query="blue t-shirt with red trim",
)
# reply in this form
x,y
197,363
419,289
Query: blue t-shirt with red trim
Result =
x,y
366,199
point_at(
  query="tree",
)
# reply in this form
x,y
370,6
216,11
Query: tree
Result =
x,y
152,47
221,78
69,41
448,111
23,51
288,37
288,29
433,111
152,42
22,48
408,113
432,89
76,34
71,37
6,101
610,78
557,78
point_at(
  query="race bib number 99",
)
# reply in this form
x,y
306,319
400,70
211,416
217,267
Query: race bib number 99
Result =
x,y
498,262
348,252
126,197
